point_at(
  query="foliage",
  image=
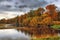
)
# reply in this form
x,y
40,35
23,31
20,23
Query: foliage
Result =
x,y
26,21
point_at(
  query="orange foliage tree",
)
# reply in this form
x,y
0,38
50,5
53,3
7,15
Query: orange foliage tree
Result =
x,y
51,10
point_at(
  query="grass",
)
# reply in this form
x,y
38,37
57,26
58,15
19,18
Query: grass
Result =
x,y
51,38
56,26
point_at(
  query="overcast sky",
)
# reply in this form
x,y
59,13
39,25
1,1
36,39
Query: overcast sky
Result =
x,y
10,8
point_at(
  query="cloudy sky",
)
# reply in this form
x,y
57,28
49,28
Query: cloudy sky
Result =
x,y
11,8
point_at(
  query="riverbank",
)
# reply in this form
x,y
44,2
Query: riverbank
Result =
x,y
50,38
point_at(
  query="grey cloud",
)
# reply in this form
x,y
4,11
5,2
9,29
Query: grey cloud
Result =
x,y
21,5
34,3
2,0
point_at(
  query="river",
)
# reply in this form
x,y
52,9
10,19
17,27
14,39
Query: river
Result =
x,y
13,34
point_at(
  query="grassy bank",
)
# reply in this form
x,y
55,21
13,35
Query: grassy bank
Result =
x,y
51,38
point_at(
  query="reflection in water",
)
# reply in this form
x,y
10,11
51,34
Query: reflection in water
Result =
x,y
12,34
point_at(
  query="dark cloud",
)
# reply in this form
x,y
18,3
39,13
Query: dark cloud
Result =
x,y
20,5
2,0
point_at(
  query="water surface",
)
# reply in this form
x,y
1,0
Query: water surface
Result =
x,y
13,34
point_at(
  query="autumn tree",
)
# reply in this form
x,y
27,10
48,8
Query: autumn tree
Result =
x,y
39,11
51,11
27,21
3,21
31,13
35,21
59,16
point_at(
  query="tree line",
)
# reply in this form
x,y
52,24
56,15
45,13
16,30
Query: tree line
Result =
x,y
36,17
